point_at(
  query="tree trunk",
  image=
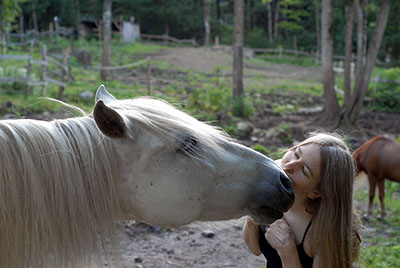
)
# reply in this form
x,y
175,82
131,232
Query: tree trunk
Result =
x,y
269,15
330,115
78,15
2,29
317,28
352,113
21,24
34,17
218,10
360,51
248,15
276,20
364,3
106,61
238,33
207,15
349,12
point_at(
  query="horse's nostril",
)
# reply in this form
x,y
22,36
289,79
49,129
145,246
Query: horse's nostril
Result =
x,y
285,181
287,184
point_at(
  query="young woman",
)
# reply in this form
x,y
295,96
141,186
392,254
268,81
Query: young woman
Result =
x,y
320,229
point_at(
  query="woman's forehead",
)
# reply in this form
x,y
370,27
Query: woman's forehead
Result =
x,y
312,158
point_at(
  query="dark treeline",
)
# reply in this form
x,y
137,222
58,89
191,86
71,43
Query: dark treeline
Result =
x,y
268,23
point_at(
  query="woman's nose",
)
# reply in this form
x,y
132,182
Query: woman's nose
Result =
x,y
291,165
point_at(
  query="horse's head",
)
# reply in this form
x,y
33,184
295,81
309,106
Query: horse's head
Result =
x,y
175,169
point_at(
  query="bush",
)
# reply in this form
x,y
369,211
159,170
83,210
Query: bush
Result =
x,y
385,96
243,107
256,38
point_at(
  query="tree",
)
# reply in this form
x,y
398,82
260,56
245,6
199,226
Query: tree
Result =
x,y
352,110
331,106
348,33
346,118
207,15
9,11
238,36
106,61
294,11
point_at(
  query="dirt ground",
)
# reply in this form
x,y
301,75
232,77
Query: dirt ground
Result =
x,y
219,244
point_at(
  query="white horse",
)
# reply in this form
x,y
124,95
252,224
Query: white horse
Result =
x,y
64,184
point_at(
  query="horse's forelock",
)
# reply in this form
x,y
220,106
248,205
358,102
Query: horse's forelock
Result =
x,y
169,121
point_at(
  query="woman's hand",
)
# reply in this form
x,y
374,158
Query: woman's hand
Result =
x,y
280,236
250,235
251,221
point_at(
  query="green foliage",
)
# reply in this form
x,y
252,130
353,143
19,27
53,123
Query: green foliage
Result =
x,y
225,33
294,12
262,149
284,133
256,38
243,107
385,96
9,11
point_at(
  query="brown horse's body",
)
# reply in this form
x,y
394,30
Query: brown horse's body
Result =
x,y
379,158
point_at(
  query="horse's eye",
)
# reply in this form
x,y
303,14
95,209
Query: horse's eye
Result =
x,y
187,145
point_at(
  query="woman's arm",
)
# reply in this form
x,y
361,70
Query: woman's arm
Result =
x,y
291,260
250,235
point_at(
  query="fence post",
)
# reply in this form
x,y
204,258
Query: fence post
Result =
x,y
51,32
148,76
64,71
28,71
43,68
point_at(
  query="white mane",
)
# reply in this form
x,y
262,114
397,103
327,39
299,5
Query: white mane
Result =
x,y
49,201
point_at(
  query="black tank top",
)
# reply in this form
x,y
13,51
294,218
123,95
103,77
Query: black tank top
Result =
x,y
272,256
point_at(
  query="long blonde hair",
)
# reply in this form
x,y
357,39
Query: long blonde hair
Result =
x,y
335,232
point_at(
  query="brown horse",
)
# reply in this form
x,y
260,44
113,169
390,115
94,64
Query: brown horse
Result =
x,y
379,158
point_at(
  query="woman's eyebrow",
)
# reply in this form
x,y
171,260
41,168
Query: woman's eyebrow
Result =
x,y
308,168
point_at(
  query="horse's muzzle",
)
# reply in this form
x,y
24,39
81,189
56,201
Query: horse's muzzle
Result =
x,y
273,194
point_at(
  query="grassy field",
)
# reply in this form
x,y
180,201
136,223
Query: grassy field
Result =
x,y
381,239
202,94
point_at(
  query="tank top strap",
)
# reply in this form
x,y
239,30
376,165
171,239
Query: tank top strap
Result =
x,y
305,232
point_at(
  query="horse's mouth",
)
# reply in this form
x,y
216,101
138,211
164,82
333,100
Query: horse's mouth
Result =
x,y
268,215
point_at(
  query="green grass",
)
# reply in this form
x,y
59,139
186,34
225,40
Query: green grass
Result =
x,y
381,246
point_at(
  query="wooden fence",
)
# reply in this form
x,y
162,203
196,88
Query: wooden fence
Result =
x,y
280,51
53,69
25,39
167,38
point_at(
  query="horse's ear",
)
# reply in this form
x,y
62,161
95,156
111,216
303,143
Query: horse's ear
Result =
x,y
104,95
109,121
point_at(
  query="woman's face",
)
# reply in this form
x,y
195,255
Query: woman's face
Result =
x,y
303,166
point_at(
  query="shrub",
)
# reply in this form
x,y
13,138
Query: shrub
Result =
x,y
385,95
243,107
256,38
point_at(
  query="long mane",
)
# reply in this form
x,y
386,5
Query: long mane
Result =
x,y
57,192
